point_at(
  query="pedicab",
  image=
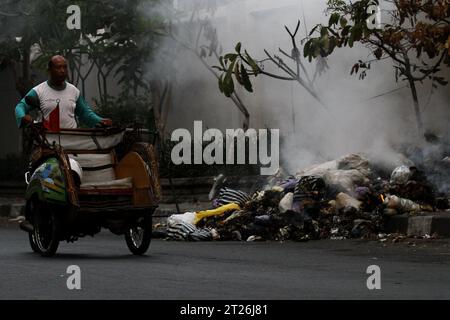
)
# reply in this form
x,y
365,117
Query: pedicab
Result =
x,y
82,180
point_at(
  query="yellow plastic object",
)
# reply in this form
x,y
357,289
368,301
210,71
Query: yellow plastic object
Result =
x,y
215,212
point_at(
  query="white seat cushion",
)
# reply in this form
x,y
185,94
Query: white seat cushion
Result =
x,y
89,163
125,183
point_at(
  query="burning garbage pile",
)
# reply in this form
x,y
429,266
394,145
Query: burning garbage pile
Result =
x,y
339,199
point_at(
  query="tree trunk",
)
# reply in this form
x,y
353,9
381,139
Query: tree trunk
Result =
x,y
417,112
105,87
412,87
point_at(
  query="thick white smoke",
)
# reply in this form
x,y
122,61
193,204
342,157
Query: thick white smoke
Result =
x,y
310,134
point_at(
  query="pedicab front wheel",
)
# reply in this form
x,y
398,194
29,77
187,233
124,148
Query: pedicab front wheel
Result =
x,y
44,238
32,240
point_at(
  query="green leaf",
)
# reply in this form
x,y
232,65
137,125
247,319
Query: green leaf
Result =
x,y
237,74
325,43
316,47
306,48
345,31
228,83
246,79
238,47
357,33
343,22
228,86
252,64
332,44
221,83
231,56
324,32
334,19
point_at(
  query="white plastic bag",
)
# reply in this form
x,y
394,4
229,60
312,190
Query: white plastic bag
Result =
x,y
188,217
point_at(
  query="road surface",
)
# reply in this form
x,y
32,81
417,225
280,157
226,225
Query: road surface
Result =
x,y
225,270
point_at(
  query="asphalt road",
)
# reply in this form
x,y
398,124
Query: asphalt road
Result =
x,y
225,270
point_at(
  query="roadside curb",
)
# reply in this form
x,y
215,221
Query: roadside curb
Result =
x,y
12,210
436,223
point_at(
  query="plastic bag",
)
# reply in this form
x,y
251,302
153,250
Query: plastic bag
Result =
x,y
188,217
215,212
286,202
344,200
401,205
400,175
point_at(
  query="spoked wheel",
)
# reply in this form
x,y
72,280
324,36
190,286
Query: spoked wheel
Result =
x,y
32,241
44,238
31,238
138,236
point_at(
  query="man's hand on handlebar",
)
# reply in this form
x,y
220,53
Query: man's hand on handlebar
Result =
x,y
106,122
27,119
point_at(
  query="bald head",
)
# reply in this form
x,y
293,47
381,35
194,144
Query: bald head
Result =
x,y
57,68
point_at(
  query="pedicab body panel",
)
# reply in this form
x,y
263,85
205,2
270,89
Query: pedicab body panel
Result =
x,y
113,185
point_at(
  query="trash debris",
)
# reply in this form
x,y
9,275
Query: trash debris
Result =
x,y
187,217
400,175
182,230
411,183
308,195
343,200
200,235
254,238
286,203
179,229
339,199
236,236
404,205
218,181
215,212
228,195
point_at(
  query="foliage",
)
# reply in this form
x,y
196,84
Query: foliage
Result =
x,y
128,110
126,42
416,27
199,36
416,39
240,66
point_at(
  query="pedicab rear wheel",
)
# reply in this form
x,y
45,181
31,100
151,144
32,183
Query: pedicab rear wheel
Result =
x,y
138,236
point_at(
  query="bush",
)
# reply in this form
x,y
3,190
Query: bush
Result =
x,y
127,110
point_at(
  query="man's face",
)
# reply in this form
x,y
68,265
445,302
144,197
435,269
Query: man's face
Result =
x,y
58,70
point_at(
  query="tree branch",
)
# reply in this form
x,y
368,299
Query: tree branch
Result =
x,y
433,69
